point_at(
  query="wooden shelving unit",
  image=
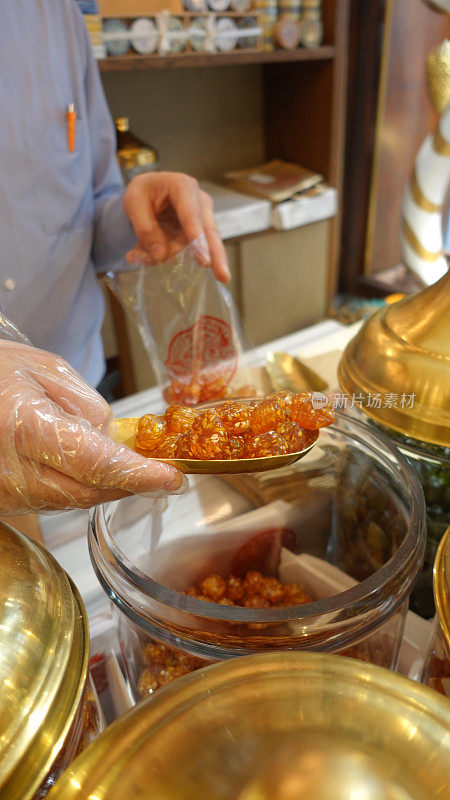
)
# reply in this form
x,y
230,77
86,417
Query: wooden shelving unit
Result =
x,y
304,99
303,111
133,62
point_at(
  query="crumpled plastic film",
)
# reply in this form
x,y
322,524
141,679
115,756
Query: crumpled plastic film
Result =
x,y
10,332
55,451
188,324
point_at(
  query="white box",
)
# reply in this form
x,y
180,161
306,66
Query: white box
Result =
x,y
312,206
237,214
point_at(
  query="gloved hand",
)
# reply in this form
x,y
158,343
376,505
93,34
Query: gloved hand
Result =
x,y
55,452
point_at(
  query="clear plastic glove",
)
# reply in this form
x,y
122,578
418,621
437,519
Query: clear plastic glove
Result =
x,y
55,452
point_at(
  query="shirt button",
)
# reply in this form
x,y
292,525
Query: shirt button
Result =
x,y
9,284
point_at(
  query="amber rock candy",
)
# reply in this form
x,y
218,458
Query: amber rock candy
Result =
x,y
283,399
267,416
168,447
235,418
276,425
183,446
307,416
235,447
208,422
151,432
266,444
207,447
208,437
179,419
212,389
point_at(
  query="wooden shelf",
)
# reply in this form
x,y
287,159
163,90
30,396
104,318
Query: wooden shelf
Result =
x,y
297,113
134,62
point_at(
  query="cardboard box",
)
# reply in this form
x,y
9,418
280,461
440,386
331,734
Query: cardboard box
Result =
x,y
138,8
311,206
237,214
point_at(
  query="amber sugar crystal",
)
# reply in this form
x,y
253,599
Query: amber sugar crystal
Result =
x,y
151,432
168,447
235,448
179,419
163,664
265,444
307,416
208,438
234,417
279,424
254,591
267,416
197,390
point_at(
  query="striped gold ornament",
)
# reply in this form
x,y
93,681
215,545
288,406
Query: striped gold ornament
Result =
x,y
416,245
421,230
441,145
419,197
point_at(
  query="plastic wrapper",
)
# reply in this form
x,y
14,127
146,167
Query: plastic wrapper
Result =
x,y
55,448
9,332
189,327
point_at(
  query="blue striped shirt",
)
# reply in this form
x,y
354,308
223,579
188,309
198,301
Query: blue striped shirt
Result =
x,y
61,213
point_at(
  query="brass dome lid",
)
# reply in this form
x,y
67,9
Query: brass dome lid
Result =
x,y
284,726
441,585
44,653
403,351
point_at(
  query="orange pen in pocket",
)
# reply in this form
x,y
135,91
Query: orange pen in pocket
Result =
x,y
71,123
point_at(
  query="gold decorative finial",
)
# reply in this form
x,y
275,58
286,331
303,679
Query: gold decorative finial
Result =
x,y
442,6
438,76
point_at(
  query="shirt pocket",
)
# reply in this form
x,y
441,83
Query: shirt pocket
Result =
x,y
62,181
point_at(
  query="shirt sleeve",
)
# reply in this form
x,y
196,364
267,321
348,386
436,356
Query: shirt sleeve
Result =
x,y
113,233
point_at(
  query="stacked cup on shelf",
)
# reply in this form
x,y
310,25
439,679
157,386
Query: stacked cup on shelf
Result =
x,y
211,26
299,22
173,34
219,26
268,13
120,35
311,28
290,9
222,33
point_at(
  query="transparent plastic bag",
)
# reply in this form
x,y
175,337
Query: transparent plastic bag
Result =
x,y
189,327
9,332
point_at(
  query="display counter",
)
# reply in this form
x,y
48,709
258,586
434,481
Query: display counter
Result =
x,y
320,346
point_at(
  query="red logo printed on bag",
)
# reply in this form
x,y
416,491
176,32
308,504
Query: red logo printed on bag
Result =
x,y
201,362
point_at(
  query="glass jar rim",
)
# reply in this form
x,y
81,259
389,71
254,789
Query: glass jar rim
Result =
x,y
410,552
438,455
441,585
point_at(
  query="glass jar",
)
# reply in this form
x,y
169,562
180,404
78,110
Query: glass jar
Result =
x,y
347,525
436,668
432,465
87,725
396,369
49,711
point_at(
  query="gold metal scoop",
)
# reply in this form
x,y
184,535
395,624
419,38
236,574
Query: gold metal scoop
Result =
x,y
126,429
287,373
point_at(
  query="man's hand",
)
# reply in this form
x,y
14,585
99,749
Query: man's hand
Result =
x,y
168,211
55,449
